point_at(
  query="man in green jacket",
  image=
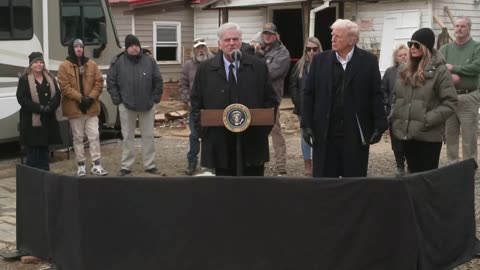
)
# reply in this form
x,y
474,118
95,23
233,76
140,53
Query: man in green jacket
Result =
x,y
463,62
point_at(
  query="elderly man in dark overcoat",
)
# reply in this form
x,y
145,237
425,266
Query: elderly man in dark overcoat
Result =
x,y
343,109
218,84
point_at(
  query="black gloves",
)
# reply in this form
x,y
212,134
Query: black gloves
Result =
x,y
45,109
307,134
376,136
85,104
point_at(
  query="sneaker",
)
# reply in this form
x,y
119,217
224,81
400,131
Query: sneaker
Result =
x,y
98,170
81,170
124,172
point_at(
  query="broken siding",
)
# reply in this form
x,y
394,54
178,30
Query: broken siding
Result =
x,y
206,23
144,19
371,39
458,8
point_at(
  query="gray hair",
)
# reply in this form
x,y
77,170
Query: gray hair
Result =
x,y
346,24
227,27
396,50
467,19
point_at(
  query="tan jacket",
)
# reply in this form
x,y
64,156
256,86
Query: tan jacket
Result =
x,y
68,77
420,113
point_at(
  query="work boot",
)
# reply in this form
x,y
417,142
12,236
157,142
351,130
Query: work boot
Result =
x,y
307,171
192,167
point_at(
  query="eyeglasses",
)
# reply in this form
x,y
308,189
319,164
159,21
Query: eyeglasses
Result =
x,y
310,49
414,44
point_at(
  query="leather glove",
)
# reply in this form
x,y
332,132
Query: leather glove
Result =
x,y
376,136
307,134
88,101
85,103
45,109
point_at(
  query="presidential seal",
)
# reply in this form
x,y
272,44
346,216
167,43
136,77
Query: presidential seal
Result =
x,y
236,117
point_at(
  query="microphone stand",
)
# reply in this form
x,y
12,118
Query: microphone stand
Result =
x,y
238,135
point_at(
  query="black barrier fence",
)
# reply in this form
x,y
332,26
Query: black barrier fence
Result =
x,y
418,222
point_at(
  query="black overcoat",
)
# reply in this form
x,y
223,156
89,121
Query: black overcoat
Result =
x,y
210,91
363,98
49,132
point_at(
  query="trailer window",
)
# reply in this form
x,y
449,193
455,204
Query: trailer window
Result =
x,y
16,20
81,18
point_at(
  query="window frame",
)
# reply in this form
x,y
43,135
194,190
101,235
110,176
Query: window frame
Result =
x,y
12,36
81,5
178,25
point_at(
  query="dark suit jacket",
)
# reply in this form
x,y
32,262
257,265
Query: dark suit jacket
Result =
x,y
210,91
363,98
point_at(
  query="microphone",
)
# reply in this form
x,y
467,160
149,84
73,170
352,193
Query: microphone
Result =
x,y
236,55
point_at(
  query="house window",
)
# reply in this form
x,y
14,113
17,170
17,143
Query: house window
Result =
x,y
81,18
16,19
166,42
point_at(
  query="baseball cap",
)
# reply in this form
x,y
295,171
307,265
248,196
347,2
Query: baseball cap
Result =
x,y
199,41
269,27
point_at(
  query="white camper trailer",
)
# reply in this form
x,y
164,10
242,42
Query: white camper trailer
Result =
x,y
48,26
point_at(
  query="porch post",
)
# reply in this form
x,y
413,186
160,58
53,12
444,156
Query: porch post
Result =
x,y
306,7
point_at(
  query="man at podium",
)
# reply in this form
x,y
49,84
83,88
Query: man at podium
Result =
x,y
229,78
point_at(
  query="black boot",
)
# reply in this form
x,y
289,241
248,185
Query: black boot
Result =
x,y
192,166
400,172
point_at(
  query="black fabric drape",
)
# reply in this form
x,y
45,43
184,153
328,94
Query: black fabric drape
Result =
x,y
423,221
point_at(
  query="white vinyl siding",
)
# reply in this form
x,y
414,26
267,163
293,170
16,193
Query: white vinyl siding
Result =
x,y
371,39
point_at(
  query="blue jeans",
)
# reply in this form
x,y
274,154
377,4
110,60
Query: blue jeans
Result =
x,y
192,154
306,149
37,157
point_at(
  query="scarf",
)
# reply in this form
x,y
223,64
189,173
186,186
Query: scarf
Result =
x,y
34,93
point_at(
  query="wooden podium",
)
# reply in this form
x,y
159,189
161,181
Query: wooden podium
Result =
x,y
237,118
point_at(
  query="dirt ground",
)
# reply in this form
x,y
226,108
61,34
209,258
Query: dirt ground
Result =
x,y
172,147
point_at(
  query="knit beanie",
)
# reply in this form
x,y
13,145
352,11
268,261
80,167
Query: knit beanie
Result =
x,y
131,40
425,36
77,42
35,56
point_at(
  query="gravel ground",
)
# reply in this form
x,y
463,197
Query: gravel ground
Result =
x,y
172,147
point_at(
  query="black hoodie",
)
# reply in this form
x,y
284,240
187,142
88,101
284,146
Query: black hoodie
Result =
x,y
75,61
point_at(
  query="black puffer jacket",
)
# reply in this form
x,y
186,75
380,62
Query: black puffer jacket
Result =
x,y
135,81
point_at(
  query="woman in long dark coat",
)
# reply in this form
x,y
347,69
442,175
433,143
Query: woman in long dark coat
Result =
x,y
39,97
298,80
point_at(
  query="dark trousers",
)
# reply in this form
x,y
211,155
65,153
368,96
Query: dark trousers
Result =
x,y
192,154
37,157
422,156
334,161
247,171
398,152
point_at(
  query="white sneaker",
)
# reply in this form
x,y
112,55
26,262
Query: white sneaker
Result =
x,y
98,170
81,171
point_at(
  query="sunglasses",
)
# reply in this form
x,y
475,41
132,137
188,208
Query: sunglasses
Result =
x,y
311,49
414,44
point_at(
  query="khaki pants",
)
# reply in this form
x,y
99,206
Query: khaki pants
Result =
x,y
279,146
128,120
466,120
81,126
